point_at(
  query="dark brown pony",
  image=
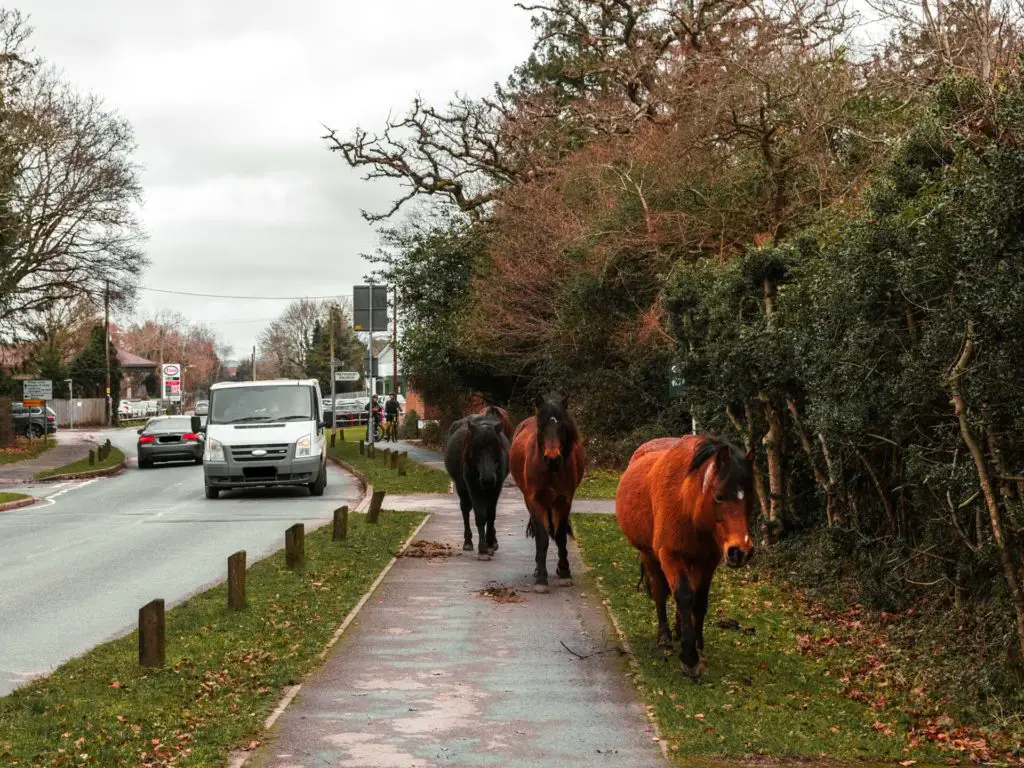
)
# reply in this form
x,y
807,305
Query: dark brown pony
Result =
x,y
685,504
497,412
547,465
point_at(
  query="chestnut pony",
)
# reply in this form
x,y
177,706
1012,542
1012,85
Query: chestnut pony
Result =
x,y
547,465
497,412
685,504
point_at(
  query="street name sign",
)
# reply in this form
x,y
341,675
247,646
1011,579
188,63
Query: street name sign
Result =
x,y
346,375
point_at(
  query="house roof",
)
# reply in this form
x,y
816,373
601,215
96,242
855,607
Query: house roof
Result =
x,y
130,360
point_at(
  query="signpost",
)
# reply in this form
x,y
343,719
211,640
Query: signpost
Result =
x,y
170,389
369,312
35,395
346,375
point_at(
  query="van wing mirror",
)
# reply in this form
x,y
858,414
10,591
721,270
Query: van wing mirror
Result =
x,y
197,424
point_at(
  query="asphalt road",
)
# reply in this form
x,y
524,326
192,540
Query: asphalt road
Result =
x,y
75,569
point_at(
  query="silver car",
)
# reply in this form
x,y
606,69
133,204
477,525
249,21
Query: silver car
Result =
x,y
169,438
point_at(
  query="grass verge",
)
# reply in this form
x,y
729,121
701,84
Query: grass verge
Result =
x,y
7,498
225,669
26,449
769,693
418,478
599,484
114,459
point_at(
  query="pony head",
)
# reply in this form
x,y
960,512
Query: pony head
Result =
x,y
727,485
556,433
483,453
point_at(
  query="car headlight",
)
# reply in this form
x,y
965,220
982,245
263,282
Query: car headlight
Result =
x,y
304,447
214,450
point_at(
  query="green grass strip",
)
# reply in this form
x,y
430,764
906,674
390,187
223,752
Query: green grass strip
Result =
x,y
225,669
6,497
759,696
599,484
114,459
26,449
418,478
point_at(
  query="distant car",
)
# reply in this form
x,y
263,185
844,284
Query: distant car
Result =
x,y
202,408
169,438
32,422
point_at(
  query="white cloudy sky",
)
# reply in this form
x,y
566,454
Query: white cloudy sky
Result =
x,y
227,98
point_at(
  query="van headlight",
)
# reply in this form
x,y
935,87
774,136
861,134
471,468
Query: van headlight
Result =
x,y
214,450
304,447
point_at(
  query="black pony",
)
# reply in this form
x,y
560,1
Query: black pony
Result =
x,y
477,460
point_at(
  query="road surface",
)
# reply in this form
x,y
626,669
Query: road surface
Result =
x,y
75,569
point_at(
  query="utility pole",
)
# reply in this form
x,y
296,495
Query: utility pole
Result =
x,y
254,362
394,342
106,346
334,402
369,422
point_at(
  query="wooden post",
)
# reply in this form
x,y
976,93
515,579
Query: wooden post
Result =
x,y
373,513
362,448
371,451
393,459
92,457
402,458
340,524
334,435
151,634
236,580
295,545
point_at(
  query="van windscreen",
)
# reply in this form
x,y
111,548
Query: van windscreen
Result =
x,y
282,402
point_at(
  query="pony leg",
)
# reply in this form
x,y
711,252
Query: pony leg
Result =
x,y
465,504
700,610
538,517
492,534
657,587
684,594
481,506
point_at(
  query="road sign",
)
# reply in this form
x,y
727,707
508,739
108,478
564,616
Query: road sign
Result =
x,y
38,389
33,403
675,382
346,375
361,308
170,374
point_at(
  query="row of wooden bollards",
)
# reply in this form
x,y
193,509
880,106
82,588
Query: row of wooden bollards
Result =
x,y
152,635
100,452
397,459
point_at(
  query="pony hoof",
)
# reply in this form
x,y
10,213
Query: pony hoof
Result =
x,y
565,581
541,589
483,556
692,672
467,547
493,545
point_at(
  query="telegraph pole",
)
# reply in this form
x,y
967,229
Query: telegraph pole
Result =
x,y
334,411
394,342
106,346
254,362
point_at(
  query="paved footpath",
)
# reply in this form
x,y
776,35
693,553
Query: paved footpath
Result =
x,y
433,673
70,447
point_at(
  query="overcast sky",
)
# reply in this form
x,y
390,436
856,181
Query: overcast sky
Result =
x,y
227,98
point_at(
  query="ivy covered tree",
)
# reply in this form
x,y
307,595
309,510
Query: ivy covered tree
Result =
x,y
89,368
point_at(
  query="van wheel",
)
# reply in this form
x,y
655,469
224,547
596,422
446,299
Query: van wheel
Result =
x,y
317,488
212,493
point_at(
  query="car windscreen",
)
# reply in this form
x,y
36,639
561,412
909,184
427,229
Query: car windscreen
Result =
x,y
170,425
239,405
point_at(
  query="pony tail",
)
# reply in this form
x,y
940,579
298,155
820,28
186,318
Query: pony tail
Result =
x,y
551,525
529,529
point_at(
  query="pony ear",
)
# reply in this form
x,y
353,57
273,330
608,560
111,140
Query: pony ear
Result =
x,y
538,401
749,456
723,456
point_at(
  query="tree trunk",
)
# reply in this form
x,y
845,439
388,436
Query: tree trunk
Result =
x,y
6,423
879,488
773,452
824,482
985,482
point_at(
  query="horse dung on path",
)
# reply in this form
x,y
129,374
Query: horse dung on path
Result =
x,y
547,465
476,458
685,504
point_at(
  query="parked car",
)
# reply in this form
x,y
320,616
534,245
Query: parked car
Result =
x,y
32,422
169,438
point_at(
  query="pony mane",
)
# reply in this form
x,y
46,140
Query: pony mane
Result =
x,y
735,477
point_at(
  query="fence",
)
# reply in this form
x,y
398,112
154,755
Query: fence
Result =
x,y
88,411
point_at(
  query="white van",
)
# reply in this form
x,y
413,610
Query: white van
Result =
x,y
264,433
